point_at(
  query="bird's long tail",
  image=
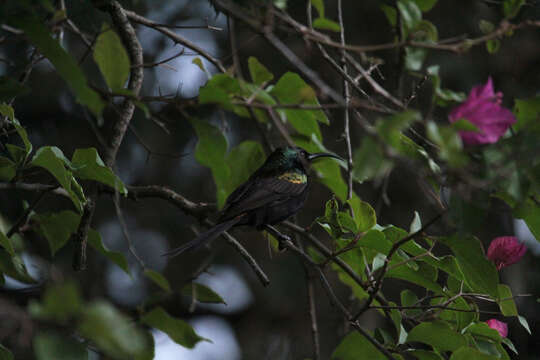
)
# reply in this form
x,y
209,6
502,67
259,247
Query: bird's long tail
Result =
x,y
205,237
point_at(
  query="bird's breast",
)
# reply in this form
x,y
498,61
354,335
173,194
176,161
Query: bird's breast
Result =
x,y
294,177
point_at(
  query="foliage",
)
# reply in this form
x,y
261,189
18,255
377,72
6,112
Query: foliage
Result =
x,y
440,314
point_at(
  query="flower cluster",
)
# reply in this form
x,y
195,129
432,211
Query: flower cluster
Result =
x,y
483,109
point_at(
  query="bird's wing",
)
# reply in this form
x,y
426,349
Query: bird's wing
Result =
x,y
259,192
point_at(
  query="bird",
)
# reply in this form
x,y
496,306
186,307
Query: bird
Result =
x,y
274,192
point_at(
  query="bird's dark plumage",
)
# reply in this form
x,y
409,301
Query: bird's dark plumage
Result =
x,y
274,192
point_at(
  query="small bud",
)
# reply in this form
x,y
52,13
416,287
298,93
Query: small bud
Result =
x,y
505,251
500,326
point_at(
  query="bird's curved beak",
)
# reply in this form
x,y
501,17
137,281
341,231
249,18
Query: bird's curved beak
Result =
x,y
312,157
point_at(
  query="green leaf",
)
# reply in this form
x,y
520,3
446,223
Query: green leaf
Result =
x,y
111,58
425,355
449,142
51,345
202,293
465,125
61,303
292,89
355,346
5,242
210,151
506,301
219,90
486,26
178,330
442,96
369,161
479,273
527,112
11,88
530,213
510,345
511,7
423,276
259,73
319,5
364,215
390,13
438,334
468,353
94,239
112,332
89,166
13,266
5,354
158,279
482,330
8,169
326,24
53,160
493,45
242,161
524,323
425,5
410,15
57,227
66,66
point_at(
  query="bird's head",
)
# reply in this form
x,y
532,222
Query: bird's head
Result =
x,y
292,158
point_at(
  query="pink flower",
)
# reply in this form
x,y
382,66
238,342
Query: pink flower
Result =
x,y
500,326
505,251
483,109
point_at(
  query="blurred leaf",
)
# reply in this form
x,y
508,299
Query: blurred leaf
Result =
x,y
158,279
178,330
425,5
242,161
66,66
438,334
468,353
527,112
530,213
8,169
493,45
510,345
57,227
10,88
202,293
89,166
442,96
326,24
416,223
364,215
479,273
355,346
14,267
511,7
410,15
390,128
414,58
112,332
111,58
197,61
506,301
5,353
449,143
5,242
61,303
51,345
210,151
259,73
369,161
524,323
409,298
319,5
390,13
482,330
52,159
425,355
219,90
94,239
464,125
486,26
